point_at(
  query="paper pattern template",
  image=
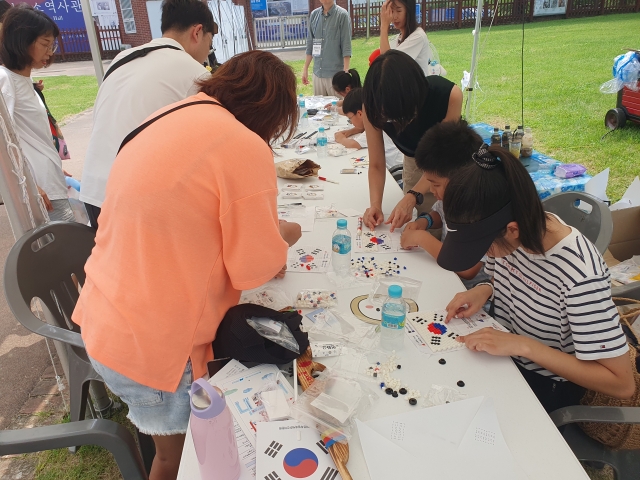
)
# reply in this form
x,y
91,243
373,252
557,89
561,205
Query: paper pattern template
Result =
x,y
477,321
308,259
435,334
381,242
459,440
241,392
304,216
291,450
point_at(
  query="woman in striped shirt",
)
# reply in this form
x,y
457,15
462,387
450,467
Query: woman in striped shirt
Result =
x,y
550,285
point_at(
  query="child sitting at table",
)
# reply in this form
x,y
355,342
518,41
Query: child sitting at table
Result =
x,y
355,137
550,285
444,149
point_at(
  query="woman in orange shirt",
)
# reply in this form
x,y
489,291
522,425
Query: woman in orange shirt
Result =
x,y
189,221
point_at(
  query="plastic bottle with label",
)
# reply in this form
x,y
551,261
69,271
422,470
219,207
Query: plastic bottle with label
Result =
x,y
321,143
506,137
335,116
496,138
526,150
516,142
394,314
303,121
341,248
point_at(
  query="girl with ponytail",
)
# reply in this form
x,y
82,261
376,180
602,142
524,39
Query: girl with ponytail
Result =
x,y
550,286
343,83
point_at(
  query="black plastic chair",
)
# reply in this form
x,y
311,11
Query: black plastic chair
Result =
x,y
48,263
396,173
104,433
625,463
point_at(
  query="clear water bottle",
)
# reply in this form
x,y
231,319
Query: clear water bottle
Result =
x,y
334,112
341,247
321,143
394,313
303,122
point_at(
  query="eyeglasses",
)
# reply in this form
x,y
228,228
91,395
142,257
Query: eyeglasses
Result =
x,y
53,48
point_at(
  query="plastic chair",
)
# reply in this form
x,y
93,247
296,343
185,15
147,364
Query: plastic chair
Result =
x,y
584,212
47,263
104,433
625,463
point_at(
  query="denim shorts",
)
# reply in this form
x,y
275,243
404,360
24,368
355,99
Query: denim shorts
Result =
x,y
153,412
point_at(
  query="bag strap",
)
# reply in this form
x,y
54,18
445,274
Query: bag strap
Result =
x,y
136,54
135,132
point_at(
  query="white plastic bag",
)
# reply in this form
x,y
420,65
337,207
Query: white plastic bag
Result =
x,y
626,72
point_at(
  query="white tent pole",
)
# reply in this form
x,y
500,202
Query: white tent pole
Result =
x,y
474,60
93,40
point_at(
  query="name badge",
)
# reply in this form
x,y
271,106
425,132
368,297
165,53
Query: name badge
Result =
x,y
317,47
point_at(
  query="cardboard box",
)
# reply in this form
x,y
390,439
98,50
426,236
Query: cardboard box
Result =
x,y
625,241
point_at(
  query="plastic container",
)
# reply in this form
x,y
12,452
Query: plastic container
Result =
x,y
341,247
213,434
495,138
394,313
516,142
321,143
334,112
303,121
526,150
506,137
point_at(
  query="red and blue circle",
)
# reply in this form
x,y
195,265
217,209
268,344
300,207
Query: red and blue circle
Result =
x,y
300,463
437,328
306,258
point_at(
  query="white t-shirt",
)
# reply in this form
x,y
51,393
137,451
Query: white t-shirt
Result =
x,y
130,95
562,299
32,126
392,155
416,46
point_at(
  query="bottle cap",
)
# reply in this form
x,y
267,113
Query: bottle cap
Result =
x,y
207,401
321,130
342,223
395,291
507,126
520,127
335,102
301,95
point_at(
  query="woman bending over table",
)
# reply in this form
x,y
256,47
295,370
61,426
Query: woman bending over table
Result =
x,y
550,285
190,221
402,102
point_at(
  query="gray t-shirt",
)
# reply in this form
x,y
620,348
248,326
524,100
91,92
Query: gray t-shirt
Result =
x,y
333,33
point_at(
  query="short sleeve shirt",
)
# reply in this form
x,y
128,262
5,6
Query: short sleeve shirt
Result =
x,y
561,299
185,226
333,32
416,46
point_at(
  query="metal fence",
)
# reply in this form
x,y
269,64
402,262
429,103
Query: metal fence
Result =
x,y
281,32
450,14
73,44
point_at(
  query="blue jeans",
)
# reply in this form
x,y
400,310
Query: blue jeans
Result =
x,y
153,412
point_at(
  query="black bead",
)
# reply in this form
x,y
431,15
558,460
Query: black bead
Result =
x,y
460,383
394,394
388,390
375,374
442,361
403,391
399,367
412,401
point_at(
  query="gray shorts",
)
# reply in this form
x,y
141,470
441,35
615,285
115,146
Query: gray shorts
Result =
x,y
61,211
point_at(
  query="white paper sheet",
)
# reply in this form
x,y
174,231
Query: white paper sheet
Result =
x,y
597,186
304,216
448,442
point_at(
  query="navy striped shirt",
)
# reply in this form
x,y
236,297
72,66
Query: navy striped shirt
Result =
x,y
562,299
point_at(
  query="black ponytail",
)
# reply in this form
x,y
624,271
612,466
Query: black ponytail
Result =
x,y
483,187
342,80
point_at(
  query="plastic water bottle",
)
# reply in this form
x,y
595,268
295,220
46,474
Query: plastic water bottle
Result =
x,y
334,112
303,122
213,434
394,313
321,143
341,246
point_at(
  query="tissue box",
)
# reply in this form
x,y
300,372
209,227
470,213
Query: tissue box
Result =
x,y
569,170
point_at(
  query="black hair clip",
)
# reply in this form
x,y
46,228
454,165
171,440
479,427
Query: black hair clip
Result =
x,y
484,158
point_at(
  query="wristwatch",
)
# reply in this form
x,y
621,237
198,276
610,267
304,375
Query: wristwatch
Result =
x,y
419,196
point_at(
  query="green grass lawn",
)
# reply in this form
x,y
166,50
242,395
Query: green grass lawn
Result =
x,y
565,63
69,95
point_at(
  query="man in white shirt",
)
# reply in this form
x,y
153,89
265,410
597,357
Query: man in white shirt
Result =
x,y
135,90
356,136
